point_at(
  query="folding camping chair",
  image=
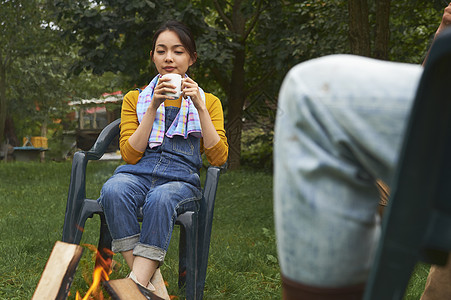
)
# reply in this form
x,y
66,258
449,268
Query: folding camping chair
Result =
x,y
195,226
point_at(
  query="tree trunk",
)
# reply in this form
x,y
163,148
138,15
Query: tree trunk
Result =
x,y
237,92
236,24
359,27
382,38
235,108
2,101
44,128
10,132
43,134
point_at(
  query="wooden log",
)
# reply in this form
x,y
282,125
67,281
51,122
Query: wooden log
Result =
x,y
126,289
58,273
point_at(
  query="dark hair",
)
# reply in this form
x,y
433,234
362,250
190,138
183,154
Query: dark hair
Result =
x,y
182,32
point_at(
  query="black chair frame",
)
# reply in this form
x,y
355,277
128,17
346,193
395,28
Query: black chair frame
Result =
x,y
417,223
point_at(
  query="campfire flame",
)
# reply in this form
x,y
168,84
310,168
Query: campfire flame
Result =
x,y
103,268
101,273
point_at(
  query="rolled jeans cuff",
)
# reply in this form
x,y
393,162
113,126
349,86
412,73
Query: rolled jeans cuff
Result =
x,y
125,244
150,252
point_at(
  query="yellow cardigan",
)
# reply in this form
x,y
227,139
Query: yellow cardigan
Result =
x,y
216,155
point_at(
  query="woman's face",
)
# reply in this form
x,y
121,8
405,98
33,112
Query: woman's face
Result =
x,y
170,55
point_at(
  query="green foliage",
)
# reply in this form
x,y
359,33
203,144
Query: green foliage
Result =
x,y
37,61
115,36
315,28
303,30
20,23
43,97
412,33
20,28
257,149
37,97
47,41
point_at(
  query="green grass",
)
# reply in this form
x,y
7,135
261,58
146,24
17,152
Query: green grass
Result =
x,y
242,262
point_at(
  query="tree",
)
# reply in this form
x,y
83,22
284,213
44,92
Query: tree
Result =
x,y
20,27
246,47
382,39
239,19
112,35
114,38
35,62
393,30
412,27
359,28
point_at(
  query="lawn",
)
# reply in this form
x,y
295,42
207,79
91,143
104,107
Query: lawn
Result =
x,y
242,263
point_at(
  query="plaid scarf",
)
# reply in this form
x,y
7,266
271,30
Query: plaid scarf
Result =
x,y
186,122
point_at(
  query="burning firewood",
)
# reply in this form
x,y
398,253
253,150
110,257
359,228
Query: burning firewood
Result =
x,y
126,289
58,272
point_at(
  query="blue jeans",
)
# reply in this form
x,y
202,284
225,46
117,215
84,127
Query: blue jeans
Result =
x,y
122,197
339,126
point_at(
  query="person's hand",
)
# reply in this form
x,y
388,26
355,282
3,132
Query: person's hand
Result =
x,y
191,88
446,19
159,93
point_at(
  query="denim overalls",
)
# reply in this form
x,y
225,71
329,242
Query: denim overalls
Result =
x,y
165,183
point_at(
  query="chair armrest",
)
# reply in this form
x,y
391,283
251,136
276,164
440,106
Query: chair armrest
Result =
x,y
77,186
75,197
104,139
211,182
209,190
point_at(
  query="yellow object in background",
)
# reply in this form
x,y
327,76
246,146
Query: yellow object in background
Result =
x,y
35,141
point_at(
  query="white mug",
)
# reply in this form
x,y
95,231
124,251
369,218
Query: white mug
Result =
x,y
176,80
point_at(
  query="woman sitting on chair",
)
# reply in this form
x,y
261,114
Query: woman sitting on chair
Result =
x,y
161,141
